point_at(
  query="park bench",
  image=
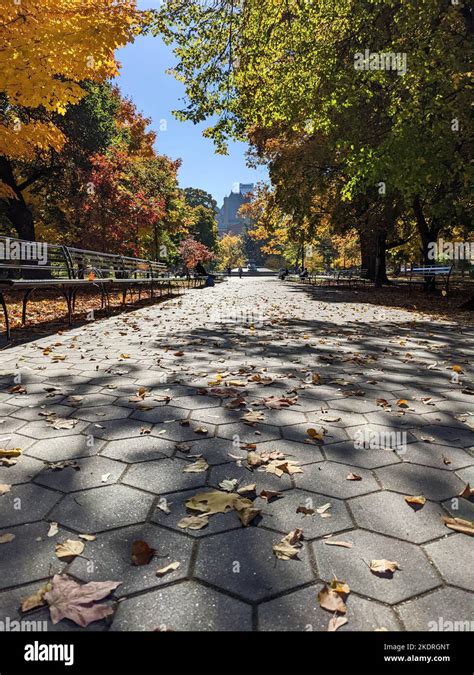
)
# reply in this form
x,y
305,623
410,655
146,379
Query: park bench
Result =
x,y
427,276
68,270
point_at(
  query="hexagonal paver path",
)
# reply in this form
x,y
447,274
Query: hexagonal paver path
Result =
x,y
143,395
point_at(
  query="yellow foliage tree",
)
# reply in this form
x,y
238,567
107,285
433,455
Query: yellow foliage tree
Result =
x,y
48,48
230,252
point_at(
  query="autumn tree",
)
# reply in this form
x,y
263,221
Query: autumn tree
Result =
x,y
230,252
193,252
48,49
204,209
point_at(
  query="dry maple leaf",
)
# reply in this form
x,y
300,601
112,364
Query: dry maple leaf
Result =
x,y
63,423
254,459
305,511
314,434
288,547
268,495
69,549
252,417
460,525
229,485
384,568
216,501
246,514
69,600
141,553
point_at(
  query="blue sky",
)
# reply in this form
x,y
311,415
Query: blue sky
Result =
x,y
156,94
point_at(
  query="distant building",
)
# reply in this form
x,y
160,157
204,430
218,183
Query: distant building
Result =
x,y
227,218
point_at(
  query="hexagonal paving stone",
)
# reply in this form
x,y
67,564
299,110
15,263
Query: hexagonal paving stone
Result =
x,y
300,611
446,609
264,480
176,502
389,513
116,429
330,417
437,456
9,425
413,479
354,404
162,476
217,415
330,478
40,430
299,433
21,472
378,437
183,607
443,435
101,413
247,433
102,508
459,508
451,556
31,555
280,514
467,474
25,504
215,450
160,414
368,458
242,562
352,565
33,414
90,474
65,448
138,449
111,554
196,402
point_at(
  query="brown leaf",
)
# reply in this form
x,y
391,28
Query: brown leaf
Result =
x,y
12,452
268,495
460,525
4,488
467,492
416,502
252,417
247,489
141,553
314,434
69,549
53,529
384,568
288,547
330,600
36,599
70,600
63,423
403,403
87,537
336,622
247,514
305,510
353,476
6,538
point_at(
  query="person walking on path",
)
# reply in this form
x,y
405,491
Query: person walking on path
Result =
x,y
240,273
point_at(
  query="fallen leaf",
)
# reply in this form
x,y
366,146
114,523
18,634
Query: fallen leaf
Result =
x,y
229,485
69,600
315,435
344,544
331,600
246,489
247,514
460,525
69,549
4,488
353,476
402,403
467,492
252,417
288,547
322,509
169,568
383,568
198,466
6,538
193,522
336,622
457,369
53,529
13,452
88,537
304,510
141,553
416,501
268,495
201,430
36,599
64,423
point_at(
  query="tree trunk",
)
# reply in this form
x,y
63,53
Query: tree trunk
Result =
x,y
373,256
427,234
17,211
